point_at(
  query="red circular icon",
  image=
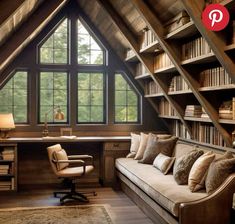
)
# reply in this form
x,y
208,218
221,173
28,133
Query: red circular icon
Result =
x,y
215,17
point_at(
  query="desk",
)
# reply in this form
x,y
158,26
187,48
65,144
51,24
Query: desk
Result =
x,y
34,167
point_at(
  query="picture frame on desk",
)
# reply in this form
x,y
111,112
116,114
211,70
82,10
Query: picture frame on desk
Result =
x,y
66,132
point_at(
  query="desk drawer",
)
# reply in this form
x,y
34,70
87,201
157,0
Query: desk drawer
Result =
x,y
117,146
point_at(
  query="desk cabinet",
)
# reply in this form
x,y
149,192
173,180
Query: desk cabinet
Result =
x,y
8,167
111,151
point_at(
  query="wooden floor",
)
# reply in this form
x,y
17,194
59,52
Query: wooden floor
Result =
x,y
121,209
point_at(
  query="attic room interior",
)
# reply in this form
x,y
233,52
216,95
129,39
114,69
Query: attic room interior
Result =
x,y
117,111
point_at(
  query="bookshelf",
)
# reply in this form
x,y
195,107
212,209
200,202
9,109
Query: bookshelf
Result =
x,y
8,167
205,68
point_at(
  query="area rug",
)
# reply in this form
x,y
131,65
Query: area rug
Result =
x,y
81,214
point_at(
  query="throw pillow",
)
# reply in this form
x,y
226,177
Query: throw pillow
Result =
x,y
155,146
142,147
218,171
197,175
135,143
163,163
60,155
184,164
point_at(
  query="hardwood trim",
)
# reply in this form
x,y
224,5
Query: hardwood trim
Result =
x,y
147,61
151,20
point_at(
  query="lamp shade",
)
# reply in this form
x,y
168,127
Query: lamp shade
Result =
x,y
6,121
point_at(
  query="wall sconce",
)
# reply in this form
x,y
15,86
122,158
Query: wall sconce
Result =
x,y
58,115
6,124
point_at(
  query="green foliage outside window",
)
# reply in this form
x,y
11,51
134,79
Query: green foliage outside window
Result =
x,y
89,52
55,49
126,101
13,97
53,93
90,97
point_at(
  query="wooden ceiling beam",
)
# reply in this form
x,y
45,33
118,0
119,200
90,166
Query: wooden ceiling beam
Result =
x,y
146,61
195,9
36,22
151,20
8,8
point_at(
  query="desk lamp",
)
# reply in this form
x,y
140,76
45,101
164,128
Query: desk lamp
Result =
x,y
58,115
6,124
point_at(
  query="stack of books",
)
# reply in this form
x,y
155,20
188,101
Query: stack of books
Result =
x,y
193,111
8,154
4,169
6,185
226,110
204,114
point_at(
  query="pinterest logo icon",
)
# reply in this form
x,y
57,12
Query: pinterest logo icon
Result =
x,y
215,17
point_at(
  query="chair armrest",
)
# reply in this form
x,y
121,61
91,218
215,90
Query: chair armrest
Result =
x,y
215,208
82,157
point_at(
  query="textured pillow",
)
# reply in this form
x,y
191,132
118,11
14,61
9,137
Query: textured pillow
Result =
x,y
163,163
218,171
184,164
155,146
198,172
135,143
60,155
142,147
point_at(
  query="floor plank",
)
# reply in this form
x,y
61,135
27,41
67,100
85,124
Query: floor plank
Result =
x,y
119,206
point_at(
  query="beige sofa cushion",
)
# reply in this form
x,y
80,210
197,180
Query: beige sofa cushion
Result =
x,y
135,144
142,146
197,175
161,188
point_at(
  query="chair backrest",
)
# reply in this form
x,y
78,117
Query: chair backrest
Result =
x,y
50,151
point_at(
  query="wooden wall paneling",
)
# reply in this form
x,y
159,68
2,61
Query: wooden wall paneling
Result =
x,y
26,33
148,64
153,23
217,44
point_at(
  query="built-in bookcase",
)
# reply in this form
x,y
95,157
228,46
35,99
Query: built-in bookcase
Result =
x,y
197,78
8,167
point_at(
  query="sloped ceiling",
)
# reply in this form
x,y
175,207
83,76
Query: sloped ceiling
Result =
x,y
18,12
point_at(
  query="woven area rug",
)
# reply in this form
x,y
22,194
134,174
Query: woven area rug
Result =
x,y
83,214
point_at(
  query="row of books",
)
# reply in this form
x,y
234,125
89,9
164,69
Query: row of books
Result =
x,y
206,133
215,77
4,169
8,154
152,88
140,70
161,61
165,108
148,38
193,111
195,48
6,185
178,84
179,130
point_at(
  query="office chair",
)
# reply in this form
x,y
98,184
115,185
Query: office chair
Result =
x,y
61,166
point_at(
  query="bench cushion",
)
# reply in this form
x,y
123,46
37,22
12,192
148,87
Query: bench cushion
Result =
x,y
161,188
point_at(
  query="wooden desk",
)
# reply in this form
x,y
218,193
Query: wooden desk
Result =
x,y
34,167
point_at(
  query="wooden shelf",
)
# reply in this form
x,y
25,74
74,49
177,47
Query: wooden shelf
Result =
x,y
186,30
207,58
180,92
154,95
165,69
226,121
214,88
230,47
151,48
169,117
198,119
144,76
132,58
6,175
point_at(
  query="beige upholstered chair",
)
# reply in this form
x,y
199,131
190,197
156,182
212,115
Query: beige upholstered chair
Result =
x,y
60,164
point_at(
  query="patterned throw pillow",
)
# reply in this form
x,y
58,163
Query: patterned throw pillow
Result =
x,y
155,146
135,144
60,155
218,171
184,164
197,175
163,163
